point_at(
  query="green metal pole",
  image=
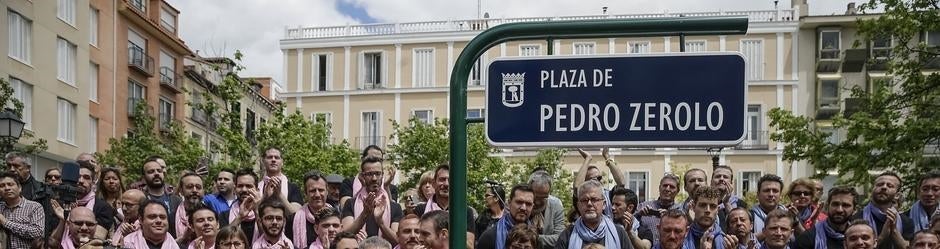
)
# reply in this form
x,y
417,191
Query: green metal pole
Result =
x,y
725,25
551,46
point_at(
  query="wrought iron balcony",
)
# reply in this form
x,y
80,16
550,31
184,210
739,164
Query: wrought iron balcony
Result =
x,y
139,60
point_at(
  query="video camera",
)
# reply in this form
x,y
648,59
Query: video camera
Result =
x,y
67,192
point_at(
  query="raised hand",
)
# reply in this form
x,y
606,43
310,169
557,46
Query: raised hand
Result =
x,y
730,241
707,240
378,209
584,154
606,153
58,210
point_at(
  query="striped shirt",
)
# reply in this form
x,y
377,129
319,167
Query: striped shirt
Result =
x,y
25,222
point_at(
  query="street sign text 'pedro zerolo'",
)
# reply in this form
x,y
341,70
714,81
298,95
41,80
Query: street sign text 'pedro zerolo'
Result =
x,y
681,99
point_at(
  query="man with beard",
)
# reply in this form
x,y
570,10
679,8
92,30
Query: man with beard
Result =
x,y
142,183
925,240
435,230
242,212
192,191
723,179
704,231
130,202
372,209
860,236
302,225
205,226
590,172
271,222
548,215
224,196
768,198
408,232
154,228
928,192
624,204
21,219
830,234
441,198
273,165
739,226
673,227
17,164
593,226
521,201
104,213
778,230
694,178
154,175
648,213
892,228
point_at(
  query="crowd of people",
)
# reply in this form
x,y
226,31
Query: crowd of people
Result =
x,y
243,209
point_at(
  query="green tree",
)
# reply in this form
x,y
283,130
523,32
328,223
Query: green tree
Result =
x,y
306,146
30,143
550,160
893,121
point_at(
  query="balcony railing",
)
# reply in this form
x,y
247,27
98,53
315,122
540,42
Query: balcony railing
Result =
x,y
830,54
372,86
169,78
365,141
140,5
755,140
782,15
138,59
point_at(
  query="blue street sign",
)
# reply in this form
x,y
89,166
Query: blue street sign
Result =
x,y
673,99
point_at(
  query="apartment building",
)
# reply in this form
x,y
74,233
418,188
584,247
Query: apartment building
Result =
x,y
204,75
361,77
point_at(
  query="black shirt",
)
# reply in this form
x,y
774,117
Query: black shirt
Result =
x,y
807,240
419,211
372,228
907,230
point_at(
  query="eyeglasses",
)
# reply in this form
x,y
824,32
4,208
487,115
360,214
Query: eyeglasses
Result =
x,y
591,200
53,177
372,174
801,193
84,223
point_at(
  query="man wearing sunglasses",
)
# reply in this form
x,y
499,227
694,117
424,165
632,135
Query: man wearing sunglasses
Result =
x,y
590,172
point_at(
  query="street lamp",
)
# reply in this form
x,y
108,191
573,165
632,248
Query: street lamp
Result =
x,y
714,152
11,127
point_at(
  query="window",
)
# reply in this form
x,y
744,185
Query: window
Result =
x,y
167,69
21,32
24,93
530,50
141,5
250,126
748,182
198,114
932,38
881,48
168,20
753,51
371,132
425,116
92,135
322,72
93,27
423,67
66,61
583,48
197,137
322,117
695,46
66,11
829,44
166,113
93,81
637,181
137,51
829,93
66,121
371,70
135,94
478,73
835,136
638,47
476,113
754,126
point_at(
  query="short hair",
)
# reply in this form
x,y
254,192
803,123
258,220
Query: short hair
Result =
x,y
522,232
11,155
439,168
229,232
725,167
925,231
271,202
341,236
891,174
190,174
225,170
246,172
370,159
519,187
324,214
500,193
440,219
540,178
365,152
314,175
374,242
152,158
843,190
860,222
11,175
411,216
706,192
149,202
677,214
592,184
264,153
779,214
769,178
672,177
805,182
933,174
191,211
687,172
628,194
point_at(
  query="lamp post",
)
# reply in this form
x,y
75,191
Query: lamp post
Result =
x,y
714,152
11,127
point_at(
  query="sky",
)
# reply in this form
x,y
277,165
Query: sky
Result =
x,y
254,27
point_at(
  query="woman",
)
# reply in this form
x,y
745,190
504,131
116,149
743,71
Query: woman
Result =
x,y
494,208
231,237
426,186
328,225
522,237
53,176
802,194
110,188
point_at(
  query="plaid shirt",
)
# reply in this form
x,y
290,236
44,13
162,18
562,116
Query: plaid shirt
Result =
x,y
25,222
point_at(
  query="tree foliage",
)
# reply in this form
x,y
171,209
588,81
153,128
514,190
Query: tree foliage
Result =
x,y
894,120
306,146
30,143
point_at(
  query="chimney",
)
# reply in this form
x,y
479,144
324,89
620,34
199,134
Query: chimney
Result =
x,y
850,9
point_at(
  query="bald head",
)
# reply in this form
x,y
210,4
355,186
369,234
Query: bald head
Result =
x,y
131,200
81,212
82,225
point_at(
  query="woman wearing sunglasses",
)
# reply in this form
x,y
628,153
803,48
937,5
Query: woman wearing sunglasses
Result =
x,y
802,194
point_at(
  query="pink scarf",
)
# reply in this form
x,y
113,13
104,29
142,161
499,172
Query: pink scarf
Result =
x,y
88,200
315,245
67,242
362,194
136,240
118,234
284,187
431,205
301,218
182,222
262,243
233,212
192,245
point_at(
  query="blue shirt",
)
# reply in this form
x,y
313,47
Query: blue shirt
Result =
x,y
217,203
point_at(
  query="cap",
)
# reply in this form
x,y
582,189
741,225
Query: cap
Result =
x,y
334,178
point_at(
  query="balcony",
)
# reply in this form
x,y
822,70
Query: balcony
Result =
x,y
828,108
830,60
365,141
139,60
169,79
372,86
755,140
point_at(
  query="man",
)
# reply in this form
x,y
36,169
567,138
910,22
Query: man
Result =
x,y
81,223
521,201
130,201
893,229
694,178
21,219
205,226
192,191
435,230
548,214
374,243
704,229
593,226
777,229
30,186
104,213
860,236
328,225
739,225
925,240
345,240
673,226
408,232
768,198
372,209
142,183
624,204
441,198
723,179
224,196
928,193
334,182
648,213
830,234
590,172
243,210
273,214
154,186
273,165
154,229
303,224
